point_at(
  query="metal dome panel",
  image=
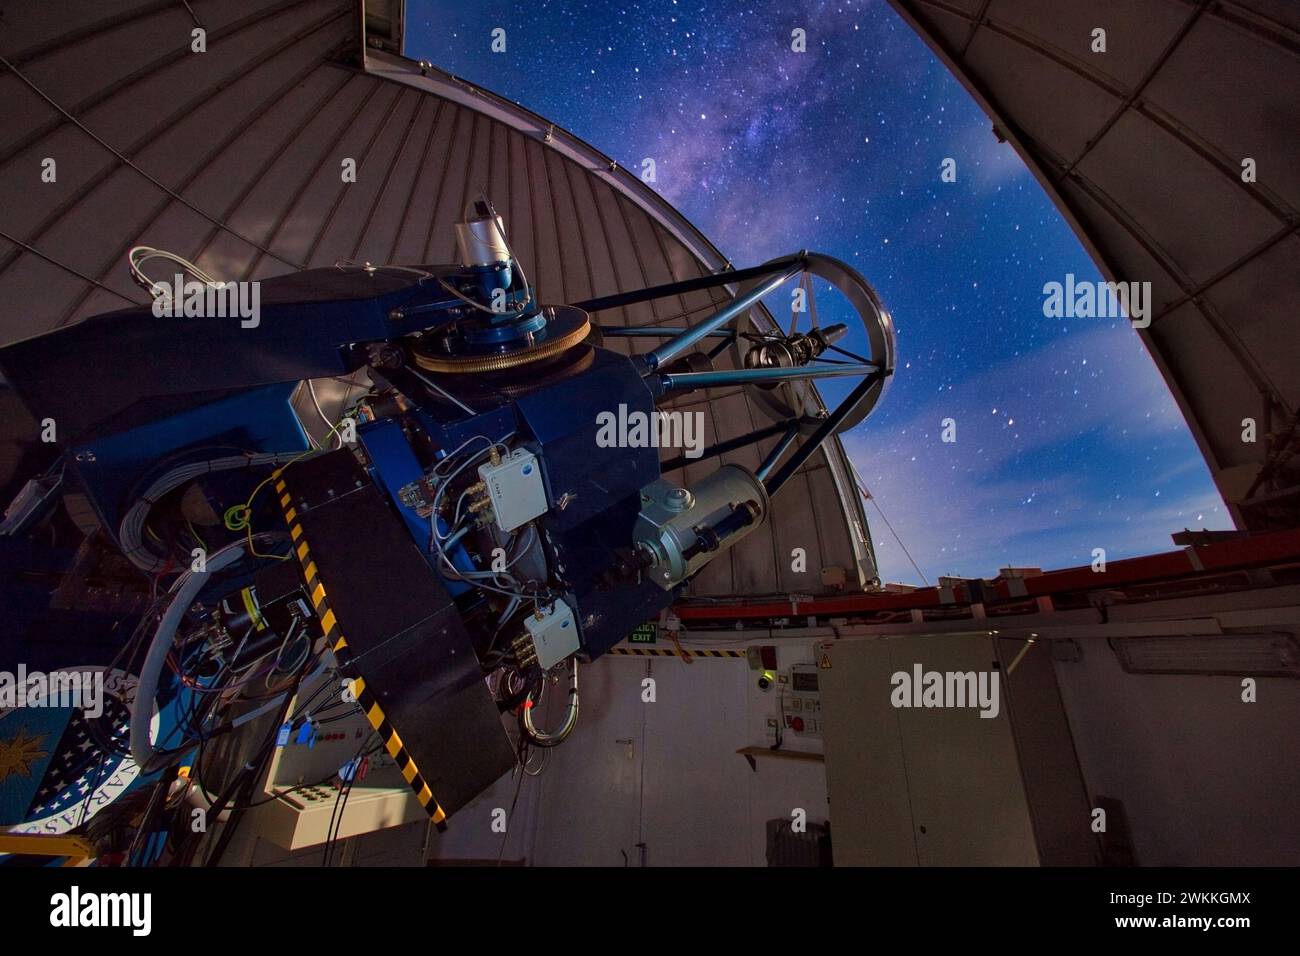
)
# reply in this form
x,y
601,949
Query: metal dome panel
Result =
x,y
1142,148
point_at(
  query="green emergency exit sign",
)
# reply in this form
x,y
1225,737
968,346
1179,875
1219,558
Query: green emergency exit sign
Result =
x,y
647,633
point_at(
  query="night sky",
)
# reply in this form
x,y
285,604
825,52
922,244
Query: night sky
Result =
x,y
1067,438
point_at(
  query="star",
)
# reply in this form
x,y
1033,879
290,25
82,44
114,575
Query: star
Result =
x,y
18,753
768,151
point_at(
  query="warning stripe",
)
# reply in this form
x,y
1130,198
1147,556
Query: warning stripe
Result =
x,y
338,643
669,652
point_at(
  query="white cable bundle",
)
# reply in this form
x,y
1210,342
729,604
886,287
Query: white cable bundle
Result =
x,y
131,530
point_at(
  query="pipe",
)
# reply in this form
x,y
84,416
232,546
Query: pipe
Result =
x,y
650,331
693,334
777,453
670,381
711,281
824,431
722,447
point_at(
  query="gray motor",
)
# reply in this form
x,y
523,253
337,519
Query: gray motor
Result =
x,y
678,530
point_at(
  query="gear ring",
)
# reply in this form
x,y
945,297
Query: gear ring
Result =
x,y
502,360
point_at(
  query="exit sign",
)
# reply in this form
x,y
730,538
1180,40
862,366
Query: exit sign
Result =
x,y
647,633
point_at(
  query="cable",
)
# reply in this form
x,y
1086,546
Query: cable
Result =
x,y
293,408
242,786
443,392
447,286
249,774
344,792
283,701
437,468
440,542
185,590
344,264
147,756
132,527
513,803
138,255
311,390
523,279
239,517
496,225
540,738
866,493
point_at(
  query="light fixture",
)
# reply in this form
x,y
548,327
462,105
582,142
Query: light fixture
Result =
x,y
1274,654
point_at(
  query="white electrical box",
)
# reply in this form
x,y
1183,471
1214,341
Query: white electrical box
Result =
x,y
302,803
554,634
801,703
516,489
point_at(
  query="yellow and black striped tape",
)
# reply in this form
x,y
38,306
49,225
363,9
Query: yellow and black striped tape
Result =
x,y
670,652
338,643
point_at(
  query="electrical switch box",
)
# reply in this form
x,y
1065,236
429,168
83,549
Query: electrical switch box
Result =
x,y
516,489
802,701
554,634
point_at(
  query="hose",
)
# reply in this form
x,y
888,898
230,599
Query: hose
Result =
x,y
184,591
542,739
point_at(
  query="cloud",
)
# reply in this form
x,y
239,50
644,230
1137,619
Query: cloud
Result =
x,y
1051,460
983,161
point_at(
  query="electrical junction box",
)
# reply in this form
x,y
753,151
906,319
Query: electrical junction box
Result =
x,y
801,701
301,799
554,634
516,489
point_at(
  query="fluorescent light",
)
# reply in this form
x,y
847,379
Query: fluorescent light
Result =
x,y
1246,655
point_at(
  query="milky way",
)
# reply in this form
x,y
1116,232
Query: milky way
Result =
x,y
1066,436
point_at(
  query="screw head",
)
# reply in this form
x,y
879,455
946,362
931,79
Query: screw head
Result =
x,y
679,499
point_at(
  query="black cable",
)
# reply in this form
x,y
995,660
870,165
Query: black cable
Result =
x,y
228,726
331,835
157,803
244,782
523,763
860,359
236,816
340,800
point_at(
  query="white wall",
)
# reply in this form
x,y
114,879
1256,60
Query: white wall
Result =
x,y
679,787
1205,778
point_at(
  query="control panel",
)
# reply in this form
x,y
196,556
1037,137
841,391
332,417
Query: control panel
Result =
x,y
302,792
801,702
